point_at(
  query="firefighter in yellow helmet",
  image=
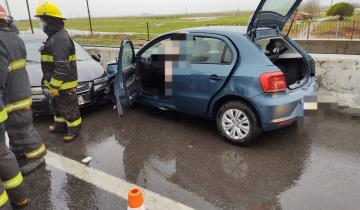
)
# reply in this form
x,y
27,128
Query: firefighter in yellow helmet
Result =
x,y
58,62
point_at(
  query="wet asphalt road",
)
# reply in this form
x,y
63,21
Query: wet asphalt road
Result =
x,y
312,165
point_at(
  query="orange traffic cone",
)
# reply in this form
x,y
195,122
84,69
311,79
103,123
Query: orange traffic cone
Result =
x,y
135,199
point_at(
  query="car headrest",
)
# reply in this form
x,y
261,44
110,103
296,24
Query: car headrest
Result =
x,y
202,46
201,51
274,44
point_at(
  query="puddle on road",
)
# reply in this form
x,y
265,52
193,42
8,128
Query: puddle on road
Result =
x,y
183,158
330,181
54,189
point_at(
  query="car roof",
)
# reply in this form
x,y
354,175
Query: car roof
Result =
x,y
36,37
225,30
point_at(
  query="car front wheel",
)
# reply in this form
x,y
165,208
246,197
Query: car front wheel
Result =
x,y
238,123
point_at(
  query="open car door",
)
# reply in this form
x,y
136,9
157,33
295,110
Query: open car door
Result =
x,y
272,14
125,86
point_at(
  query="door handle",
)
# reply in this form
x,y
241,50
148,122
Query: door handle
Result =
x,y
215,77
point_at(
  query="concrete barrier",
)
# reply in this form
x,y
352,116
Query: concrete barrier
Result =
x,y
326,46
107,54
338,75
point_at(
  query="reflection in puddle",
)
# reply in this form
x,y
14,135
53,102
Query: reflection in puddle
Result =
x,y
330,181
58,195
165,168
107,156
234,165
286,169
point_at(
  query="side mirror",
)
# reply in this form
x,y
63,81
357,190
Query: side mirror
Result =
x,y
96,57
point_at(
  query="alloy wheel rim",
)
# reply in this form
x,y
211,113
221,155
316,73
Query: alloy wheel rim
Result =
x,y
236,124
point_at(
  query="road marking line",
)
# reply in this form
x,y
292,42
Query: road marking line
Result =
x,y
110,183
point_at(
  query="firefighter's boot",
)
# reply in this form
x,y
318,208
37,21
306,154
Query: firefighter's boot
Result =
x,y
70,137
58,128
22,203
34,160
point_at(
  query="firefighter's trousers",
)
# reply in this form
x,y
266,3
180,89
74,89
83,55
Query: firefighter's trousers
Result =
x,y
67,113
10,176
23,138
4,199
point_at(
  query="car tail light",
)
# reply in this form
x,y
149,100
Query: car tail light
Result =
x,y
273,82
286,122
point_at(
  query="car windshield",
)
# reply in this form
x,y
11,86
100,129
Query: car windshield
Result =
x,y
33,53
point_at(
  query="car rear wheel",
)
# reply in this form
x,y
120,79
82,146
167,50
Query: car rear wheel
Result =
x,y
238,123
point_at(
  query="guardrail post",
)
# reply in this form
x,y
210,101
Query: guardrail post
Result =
x,y
148,31
308,30
352,31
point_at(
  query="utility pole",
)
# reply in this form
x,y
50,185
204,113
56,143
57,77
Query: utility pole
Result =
x,y
8,8
87,3
28,8
186,8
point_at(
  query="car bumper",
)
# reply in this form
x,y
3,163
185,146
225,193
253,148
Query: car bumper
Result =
x,y
87,96
279,110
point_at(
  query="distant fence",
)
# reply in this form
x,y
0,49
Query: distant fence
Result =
x,y
325,29
231,24
320,29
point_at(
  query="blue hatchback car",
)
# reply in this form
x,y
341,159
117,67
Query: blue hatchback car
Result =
x,y
248,79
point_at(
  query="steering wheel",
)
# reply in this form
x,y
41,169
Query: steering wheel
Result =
x,y
146,60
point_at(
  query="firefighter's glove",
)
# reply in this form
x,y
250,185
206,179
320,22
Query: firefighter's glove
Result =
x,y
53,92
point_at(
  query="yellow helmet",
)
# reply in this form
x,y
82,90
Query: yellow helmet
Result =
x,y
48,9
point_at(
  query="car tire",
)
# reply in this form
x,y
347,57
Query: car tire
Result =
x,y
237,123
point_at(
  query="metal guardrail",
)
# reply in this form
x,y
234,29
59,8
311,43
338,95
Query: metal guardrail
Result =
x,y
319,29
326,29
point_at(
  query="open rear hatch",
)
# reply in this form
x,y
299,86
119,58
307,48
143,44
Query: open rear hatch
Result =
x,y
272,14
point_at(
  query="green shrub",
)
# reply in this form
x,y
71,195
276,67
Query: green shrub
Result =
x,y
342,9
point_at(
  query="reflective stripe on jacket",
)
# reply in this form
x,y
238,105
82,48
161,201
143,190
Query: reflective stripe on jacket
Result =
x,y
19,105
58,62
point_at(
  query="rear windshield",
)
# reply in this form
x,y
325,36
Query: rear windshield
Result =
x,y
33,53
281,7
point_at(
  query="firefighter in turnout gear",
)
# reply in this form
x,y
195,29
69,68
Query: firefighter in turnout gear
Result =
x,y
24,140
15,118
58,61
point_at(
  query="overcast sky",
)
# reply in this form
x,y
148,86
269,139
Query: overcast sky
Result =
x,y
106,8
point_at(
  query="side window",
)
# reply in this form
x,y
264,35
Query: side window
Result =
x,y
208,50
157,49
127,57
